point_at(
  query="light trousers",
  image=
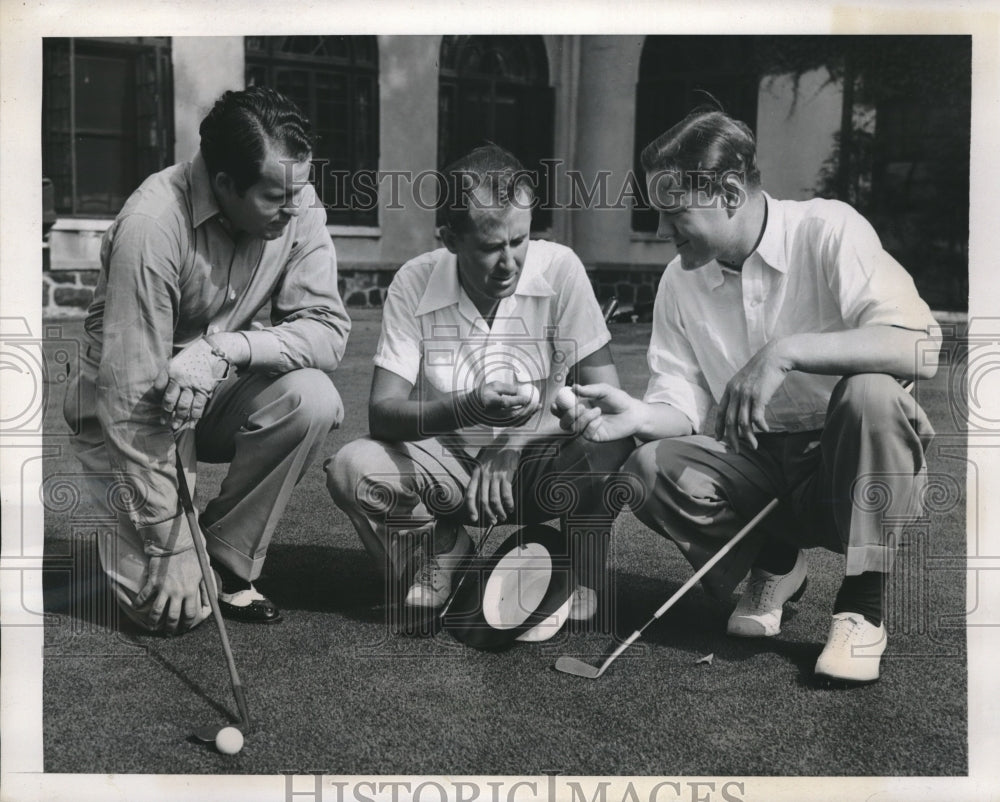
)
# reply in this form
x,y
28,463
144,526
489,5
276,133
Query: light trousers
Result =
x,y
268,428
394,494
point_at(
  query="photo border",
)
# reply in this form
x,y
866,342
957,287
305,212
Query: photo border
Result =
x,y
22,27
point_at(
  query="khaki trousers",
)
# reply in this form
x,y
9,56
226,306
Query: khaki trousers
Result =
x,y
268,428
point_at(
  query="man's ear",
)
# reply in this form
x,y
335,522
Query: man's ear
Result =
x,y
448,238
223,184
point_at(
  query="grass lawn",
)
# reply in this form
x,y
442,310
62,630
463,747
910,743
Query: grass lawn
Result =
x,y
332,691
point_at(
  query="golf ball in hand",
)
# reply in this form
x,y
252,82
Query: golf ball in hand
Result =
x,y
532,390
229,741
565,399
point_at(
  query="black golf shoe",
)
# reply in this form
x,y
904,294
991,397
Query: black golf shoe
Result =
x,y
249,606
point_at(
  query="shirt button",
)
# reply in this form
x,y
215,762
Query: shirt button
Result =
x,y
213,329
232,295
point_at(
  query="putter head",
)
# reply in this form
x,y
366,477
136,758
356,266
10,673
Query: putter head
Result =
x,y
578,668
208,733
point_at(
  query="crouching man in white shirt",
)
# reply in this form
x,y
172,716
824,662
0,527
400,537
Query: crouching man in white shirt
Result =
x,y
796,322
477,338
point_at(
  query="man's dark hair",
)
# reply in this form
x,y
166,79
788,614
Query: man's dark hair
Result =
x,y
489,166
236,132
707,141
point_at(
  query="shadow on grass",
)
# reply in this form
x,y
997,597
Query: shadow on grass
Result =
x,y
296,577
697,624
324,579
83,619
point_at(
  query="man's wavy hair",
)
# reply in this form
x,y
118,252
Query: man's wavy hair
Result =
x,y
708,142
236,133
489,166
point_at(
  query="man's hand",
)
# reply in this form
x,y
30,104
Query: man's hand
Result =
x,y
747,395
174,591
490,491
506,403
188,382
601,413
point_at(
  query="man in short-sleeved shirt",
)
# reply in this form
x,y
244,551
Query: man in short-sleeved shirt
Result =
x,y
195,254
435,337
795,322
477,338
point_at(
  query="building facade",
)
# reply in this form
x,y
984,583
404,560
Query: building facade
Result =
x,y
391,110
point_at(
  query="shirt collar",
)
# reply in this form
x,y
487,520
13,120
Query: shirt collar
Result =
x,y
770,249
443,288
203,204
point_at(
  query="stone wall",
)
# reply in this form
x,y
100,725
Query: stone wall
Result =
x,y
364,286
67,293
633,285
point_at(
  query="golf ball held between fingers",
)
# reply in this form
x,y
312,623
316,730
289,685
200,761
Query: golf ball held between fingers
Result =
x,y
565,399
532,391
229,741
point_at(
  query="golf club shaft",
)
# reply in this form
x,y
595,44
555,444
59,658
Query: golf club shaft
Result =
x,y
206,573
708,566
461,579
695,578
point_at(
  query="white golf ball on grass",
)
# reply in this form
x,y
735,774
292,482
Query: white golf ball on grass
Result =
x,y
229,741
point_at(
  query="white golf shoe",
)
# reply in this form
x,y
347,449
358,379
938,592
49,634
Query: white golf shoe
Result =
x,y
758,612
432,584
853,650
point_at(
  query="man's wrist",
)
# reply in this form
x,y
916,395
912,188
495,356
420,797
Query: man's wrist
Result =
x,y
468,408
231,346
166,538
782,353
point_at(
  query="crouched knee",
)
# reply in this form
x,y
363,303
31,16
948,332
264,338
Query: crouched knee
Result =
x,y
315,402
358,478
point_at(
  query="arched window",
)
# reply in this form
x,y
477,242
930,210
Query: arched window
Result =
x,y
674,73
334,80
496,88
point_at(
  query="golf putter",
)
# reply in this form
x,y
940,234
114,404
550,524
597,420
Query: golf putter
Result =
x,y
461,579
208,732
572,665
579,668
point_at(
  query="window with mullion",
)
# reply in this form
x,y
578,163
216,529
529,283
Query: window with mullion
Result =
x,y
334,80
107,119
496,88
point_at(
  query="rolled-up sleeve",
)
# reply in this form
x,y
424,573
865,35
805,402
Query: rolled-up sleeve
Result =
x,y
674,375
309,323
142,296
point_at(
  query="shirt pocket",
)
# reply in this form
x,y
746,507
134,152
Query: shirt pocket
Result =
x,y
450,365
